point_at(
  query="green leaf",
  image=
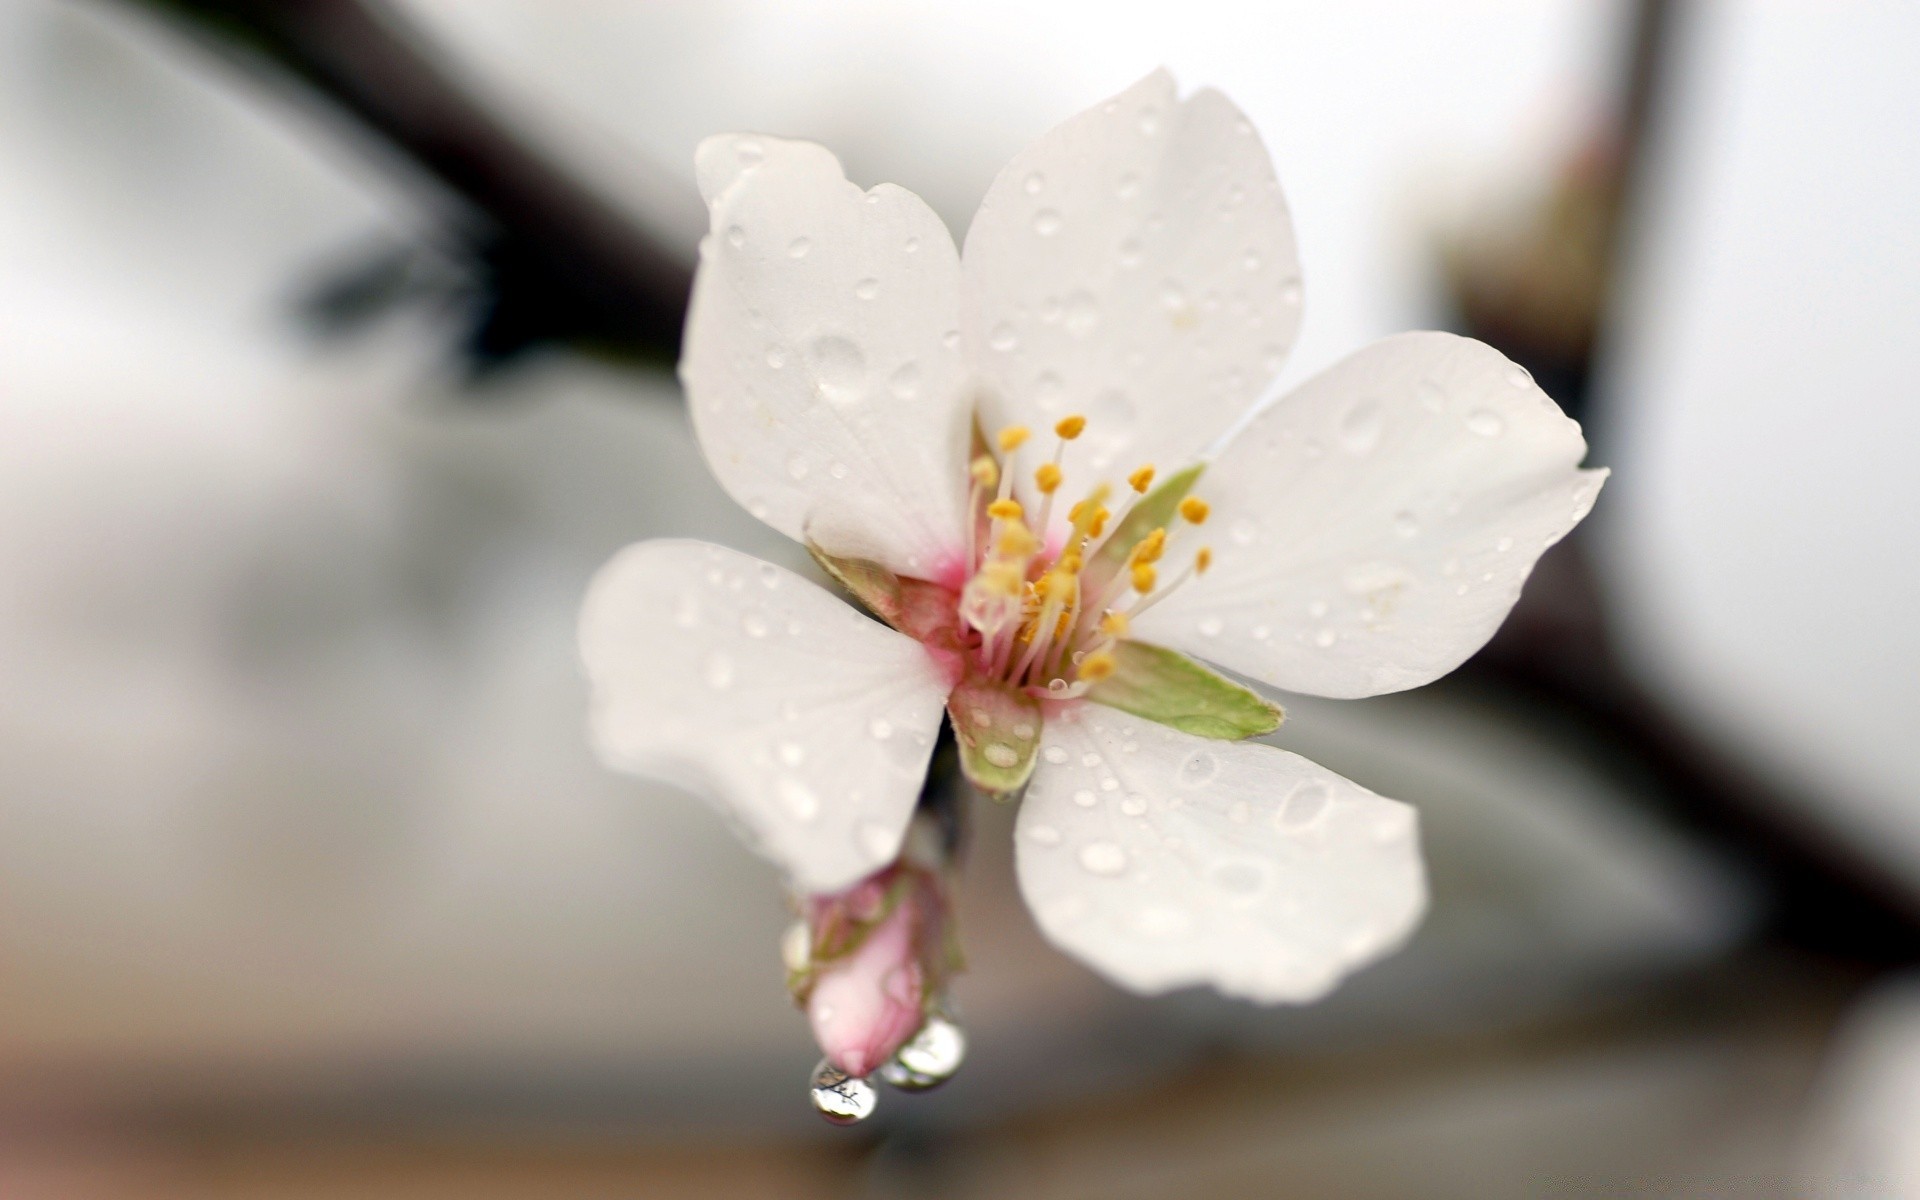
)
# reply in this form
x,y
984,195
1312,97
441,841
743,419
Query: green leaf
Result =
x,y
998,728
1166,686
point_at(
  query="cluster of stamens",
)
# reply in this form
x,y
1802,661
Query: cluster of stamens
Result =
x,y
1047,616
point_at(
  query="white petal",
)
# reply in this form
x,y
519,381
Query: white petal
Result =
x,y
1372,529
1135,264
740,681
821,359
1164,860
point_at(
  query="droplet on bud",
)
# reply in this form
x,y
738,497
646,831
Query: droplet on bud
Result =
x,y
839,1097
930,1057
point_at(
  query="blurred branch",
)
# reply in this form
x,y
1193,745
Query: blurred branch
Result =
x,y
1540,289
557,261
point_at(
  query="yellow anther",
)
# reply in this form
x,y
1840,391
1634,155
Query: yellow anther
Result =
x,y
1203,560
1142,479
1150,547
985,472
1003,577
1057,585
1004,510
1143,577
1070,562
1114,624
1016,541
1047,478
1098,523
1194,509
1012,438
1095,667
1070,428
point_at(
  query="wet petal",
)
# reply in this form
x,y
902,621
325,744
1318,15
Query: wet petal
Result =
x,y
1164,860
821,359
806,722
1373,528
1135,264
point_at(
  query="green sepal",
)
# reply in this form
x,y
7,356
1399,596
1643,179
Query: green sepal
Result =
x,y
1166,686
997,727
1155,510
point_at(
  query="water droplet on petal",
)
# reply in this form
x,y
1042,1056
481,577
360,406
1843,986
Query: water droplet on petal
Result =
x,y
1046,835
1103,858
1085,798
736,236
880,728
930,1057
1134,805
1486,423
1056,755
719,671
1082,313
1149,122
912,245
839,1097
791,753
798,797
797,466
1360,429
1518,377
1503,545
686,612
1290,293
1244,532
1198,770
839,368
1128,186
754,624
877,842
1130,253
1033,183
867,289
1001,755
1047,222
798,247
1325,638
904,383
1242,879
1406,524
1430,396
749,151
1303,806
1003,338
1210,626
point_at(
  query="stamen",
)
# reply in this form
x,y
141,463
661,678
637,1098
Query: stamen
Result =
x,y
1203,560
985,472
1005,510
1115,624
1143,577
1142,479
1070,428
1098,666
1195,510
1047,478
1012,438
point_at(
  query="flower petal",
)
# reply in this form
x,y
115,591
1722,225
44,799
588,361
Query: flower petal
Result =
x,y
1372,529
1164,860
740,681
1135,264
821,359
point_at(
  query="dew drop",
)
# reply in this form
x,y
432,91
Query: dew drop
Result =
x,y
1244,532
1261,633
1003,338
1325,638
839,1097
1149,122
686,612
1045,835
1250,261
1085,798
1056,755
930,1057
1361,427
1024,730
798,247
1128,187
791,753
1406,524
877,842
1198,770
839,368
1486,423
880,728
1033,183
1241,878
904,383
1047,222
1001,755
719,671
1089,759
1134,805
1430,396
1103,858
1162,921
798,798
1503,545
1173,296
1082,313
1209,626
754,624
838,470
736,236
1303,806
911,245
796,466
776,357
1518,377
1130,253
867,289
1290,293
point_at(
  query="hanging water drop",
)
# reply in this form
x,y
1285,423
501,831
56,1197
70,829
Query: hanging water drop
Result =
x,y
839,1097
929,1059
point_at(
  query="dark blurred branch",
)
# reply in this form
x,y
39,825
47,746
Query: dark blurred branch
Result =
x,y
557,262
1540,290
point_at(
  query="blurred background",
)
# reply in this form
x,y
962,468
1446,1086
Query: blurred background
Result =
x,y
335,348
